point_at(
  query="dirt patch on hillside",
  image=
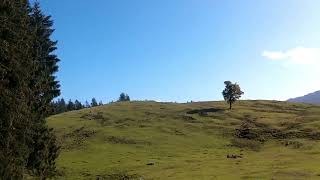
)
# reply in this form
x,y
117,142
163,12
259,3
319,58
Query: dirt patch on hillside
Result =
x,y
97,116
77,137
251,129
252,134
124,140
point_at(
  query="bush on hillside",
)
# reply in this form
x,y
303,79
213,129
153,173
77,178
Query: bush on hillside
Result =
x,y
124,97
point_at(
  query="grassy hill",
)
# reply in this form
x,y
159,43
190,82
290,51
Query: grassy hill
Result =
x,y
150,140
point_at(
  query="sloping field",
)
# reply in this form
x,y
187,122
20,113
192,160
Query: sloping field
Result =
x,y
205,140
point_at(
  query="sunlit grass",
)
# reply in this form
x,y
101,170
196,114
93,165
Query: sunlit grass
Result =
x,y
122,138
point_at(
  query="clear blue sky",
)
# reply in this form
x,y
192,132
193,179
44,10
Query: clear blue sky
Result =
x,y
182,50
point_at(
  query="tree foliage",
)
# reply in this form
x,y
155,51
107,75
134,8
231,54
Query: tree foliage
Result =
x,y
87,105
231,93
70,106
94,102
59,106
124,97
77,105
27,87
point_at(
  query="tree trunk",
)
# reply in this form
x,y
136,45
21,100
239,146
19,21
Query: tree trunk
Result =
x,y
230,105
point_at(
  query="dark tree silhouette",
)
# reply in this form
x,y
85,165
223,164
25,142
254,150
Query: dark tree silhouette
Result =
x,y
94,102
87,105
124,97
27,88
77,105
70,105
231,93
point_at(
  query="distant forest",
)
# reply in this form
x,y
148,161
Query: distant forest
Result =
x,y
61,106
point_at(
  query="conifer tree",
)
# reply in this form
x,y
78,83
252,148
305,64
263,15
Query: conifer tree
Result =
x,y
127,98
62,107
87,105
70,106
44,87
124,97
27,87
16,73
77,105
94,102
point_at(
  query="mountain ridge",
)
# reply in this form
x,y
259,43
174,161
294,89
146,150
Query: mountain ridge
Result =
x,y
311,98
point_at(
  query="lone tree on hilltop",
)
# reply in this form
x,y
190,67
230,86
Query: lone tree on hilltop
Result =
x,y
231,93
124,97
94,102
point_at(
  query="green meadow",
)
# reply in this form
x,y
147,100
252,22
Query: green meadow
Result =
x,y
199,140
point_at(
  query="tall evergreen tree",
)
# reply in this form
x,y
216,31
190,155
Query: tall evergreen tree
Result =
x,y
61,107
27,87
77,105
94,102
87,105
70,106
44,87
124,97
16,72
127,98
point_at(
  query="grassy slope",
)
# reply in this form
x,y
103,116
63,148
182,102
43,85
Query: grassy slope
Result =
x,y
124,137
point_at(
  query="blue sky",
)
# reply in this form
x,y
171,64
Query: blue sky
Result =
x,y
182,50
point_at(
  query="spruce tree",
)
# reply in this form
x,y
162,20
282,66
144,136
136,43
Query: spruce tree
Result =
x,y
94,102
70,106
87,105
44,88
16,97
127,98
77,105
124,97
27,87
62,106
